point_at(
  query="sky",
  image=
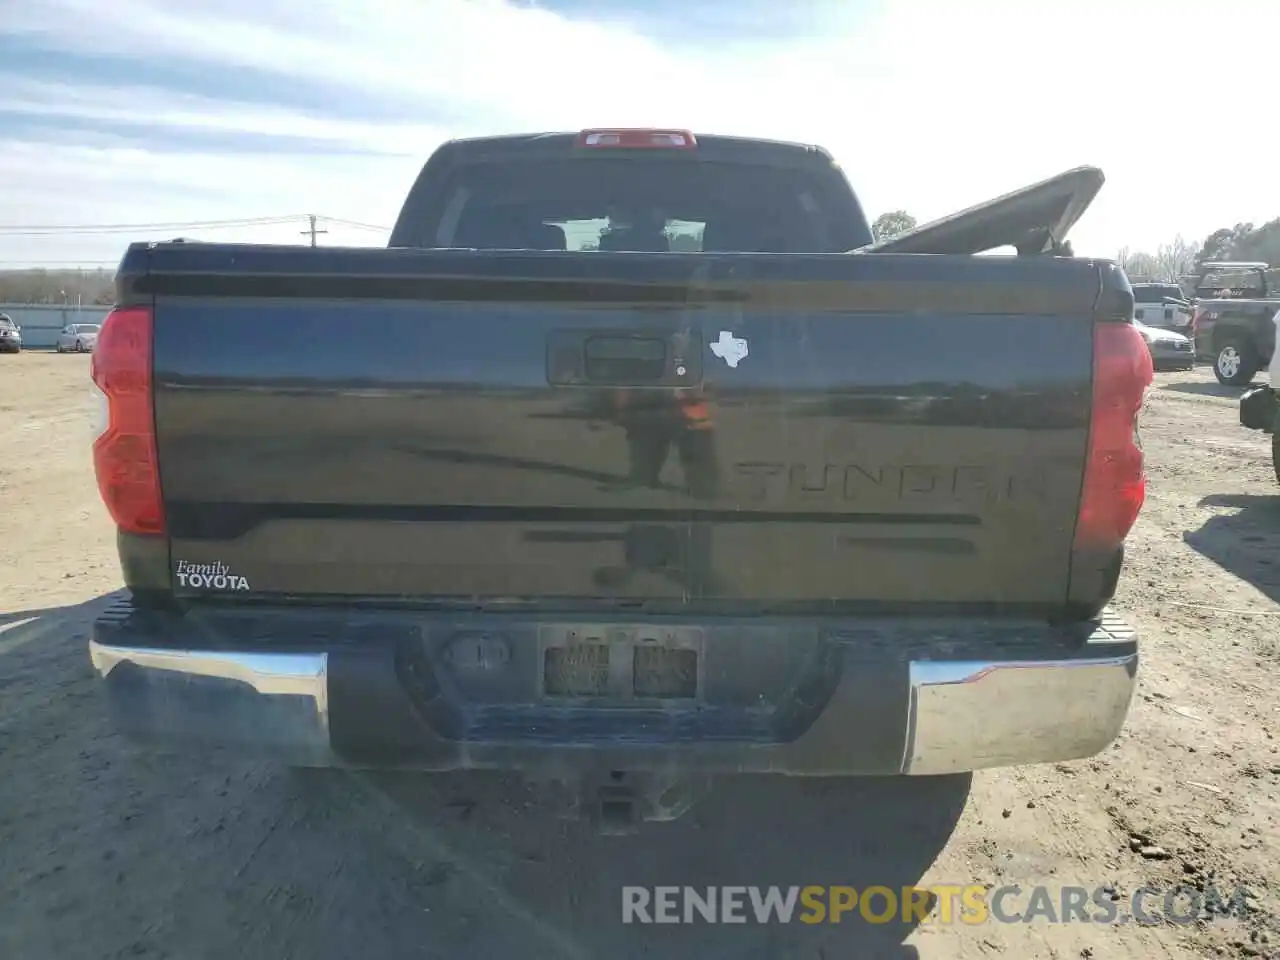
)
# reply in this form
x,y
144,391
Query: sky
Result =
x,y
130,112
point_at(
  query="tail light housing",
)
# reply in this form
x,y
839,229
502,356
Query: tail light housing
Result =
x,y
1115,483
124,452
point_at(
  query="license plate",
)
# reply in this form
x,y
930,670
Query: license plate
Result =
x,y
621,663
576,670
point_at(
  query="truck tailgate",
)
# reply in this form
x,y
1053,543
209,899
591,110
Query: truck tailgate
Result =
x,y
663,430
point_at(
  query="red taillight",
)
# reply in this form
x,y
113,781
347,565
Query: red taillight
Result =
x,y
638,139
1114,482
124,454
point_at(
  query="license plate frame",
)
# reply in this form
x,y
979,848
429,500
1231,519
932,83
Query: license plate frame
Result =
x,y
615,663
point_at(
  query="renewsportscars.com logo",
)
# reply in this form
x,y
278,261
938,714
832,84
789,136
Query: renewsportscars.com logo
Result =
x,y
970,904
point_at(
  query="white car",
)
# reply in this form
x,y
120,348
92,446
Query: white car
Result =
x,y
1169,349
78,337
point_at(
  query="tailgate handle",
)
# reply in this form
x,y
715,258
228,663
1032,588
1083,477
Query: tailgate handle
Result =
x,y
611,358
643,358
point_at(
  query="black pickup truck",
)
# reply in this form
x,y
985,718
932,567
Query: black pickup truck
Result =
x,y
1232,322
529,490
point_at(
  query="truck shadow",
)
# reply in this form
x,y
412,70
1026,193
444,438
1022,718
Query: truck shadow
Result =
x,y
750,831
1246,543
34,640
1203,388
225,854
49,619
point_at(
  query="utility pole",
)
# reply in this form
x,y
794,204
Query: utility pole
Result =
x,y
311,229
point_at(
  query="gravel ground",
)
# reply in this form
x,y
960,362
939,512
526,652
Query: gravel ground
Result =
x,y
112,853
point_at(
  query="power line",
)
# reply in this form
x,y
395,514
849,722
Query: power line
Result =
x,y
357,224
100,229
107,229
157,223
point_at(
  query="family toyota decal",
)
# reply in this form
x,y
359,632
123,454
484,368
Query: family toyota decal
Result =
x,y
970,904
208,576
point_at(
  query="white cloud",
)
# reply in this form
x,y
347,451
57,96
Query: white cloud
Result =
x,y
929,105
124,185
177,111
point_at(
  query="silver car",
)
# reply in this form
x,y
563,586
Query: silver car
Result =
x,y
78,337
1169,350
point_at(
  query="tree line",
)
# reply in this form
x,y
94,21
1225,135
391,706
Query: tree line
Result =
x,y
1172,261
57,286
1179,260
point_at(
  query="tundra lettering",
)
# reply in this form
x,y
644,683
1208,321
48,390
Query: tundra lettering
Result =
x,y
861,482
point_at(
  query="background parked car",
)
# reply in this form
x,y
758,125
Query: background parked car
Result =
x,y
1169,350
78,337
10,335
1162,305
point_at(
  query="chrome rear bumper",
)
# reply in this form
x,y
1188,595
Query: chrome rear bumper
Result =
x,y
970,716
949,716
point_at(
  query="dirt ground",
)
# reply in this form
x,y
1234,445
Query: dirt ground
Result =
x,y
111,853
